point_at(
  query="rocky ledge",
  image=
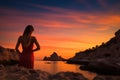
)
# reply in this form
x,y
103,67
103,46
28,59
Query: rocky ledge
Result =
x,y
20,73
108,77
103,66
8,56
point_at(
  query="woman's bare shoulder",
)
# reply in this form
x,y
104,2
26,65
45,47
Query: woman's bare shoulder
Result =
x,y
33,38
20,37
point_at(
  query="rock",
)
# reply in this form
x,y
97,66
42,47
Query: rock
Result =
x,y
102,67
110,49
68,76
54,57
20,73
46,58
108,77
8,56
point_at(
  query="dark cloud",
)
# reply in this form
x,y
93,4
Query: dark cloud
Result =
x,y
81,5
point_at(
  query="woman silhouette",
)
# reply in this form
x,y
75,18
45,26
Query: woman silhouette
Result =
x,y
27,41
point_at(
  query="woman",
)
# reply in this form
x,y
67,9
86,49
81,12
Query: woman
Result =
x,y
27,41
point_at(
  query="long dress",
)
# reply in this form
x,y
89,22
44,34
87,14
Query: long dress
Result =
x,y
27,57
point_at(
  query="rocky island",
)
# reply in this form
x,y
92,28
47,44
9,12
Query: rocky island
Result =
x,y
54,57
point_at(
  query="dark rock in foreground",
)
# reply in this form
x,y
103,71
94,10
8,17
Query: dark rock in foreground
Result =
x,y
8,56
103,67
10,62
20,73
68,76
108,77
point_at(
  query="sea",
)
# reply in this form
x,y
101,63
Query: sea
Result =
x,y
54,67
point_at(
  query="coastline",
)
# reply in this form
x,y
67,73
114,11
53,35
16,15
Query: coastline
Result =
x,y
20,73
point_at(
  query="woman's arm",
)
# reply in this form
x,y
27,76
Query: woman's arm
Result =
x,y
37,44
17,45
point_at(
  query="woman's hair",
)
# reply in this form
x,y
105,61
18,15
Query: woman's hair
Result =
x,y
26,34
28,30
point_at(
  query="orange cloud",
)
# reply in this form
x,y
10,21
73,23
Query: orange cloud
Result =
x,y
70,19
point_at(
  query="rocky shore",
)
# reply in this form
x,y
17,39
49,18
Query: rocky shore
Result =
x,y
8,56
102,59
20,73
103,66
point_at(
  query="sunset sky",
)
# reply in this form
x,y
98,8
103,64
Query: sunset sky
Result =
x,y
62,26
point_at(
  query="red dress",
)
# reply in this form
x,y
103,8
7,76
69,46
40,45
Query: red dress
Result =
x,y
27,57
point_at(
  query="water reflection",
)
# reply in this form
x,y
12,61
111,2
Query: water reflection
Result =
x,y
58,66
54,66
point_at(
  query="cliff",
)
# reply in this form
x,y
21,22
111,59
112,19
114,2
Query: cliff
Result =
x,y
110,49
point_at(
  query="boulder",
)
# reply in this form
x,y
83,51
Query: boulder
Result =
x,y
102,67
8,56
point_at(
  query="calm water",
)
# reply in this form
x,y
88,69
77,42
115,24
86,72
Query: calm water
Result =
x,y
58,66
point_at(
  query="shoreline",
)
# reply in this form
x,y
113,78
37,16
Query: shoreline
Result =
x,y
20,73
